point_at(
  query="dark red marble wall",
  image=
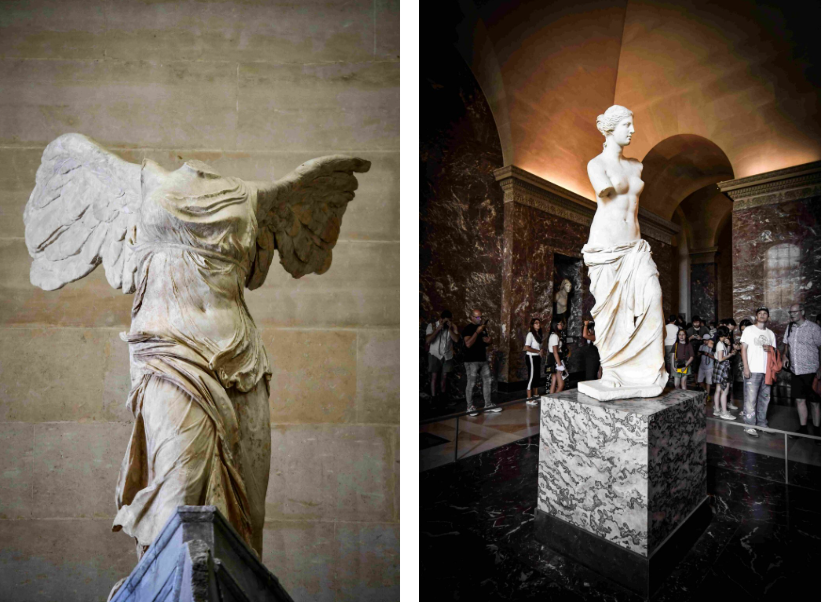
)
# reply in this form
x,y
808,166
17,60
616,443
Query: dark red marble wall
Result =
x,y
664,256
704,291
461,204
532,238
758,277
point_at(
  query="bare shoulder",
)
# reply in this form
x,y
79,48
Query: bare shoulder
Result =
x,y
596,164
636,164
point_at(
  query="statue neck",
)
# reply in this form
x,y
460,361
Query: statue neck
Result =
x,y
612,149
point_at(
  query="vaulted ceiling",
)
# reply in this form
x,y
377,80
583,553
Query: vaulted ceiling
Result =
x,y
719,90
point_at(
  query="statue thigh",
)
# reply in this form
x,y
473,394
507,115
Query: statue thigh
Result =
x,y
254,419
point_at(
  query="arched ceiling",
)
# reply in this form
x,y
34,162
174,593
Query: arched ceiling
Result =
x,y
679,166
742,74
706,211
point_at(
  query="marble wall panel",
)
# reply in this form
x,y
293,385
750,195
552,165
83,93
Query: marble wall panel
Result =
x,y
368,562
664,256
461,205
378,376
704,289
68,560
75,468
314,375
677,464
16,476
331,472
302,556
319,107
167,104
41,379
536,238
762,279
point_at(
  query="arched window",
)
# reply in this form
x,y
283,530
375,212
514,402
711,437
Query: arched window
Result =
x,y
782,276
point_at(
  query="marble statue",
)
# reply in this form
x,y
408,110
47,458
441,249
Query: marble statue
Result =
x,y
624,277
561,298
186,243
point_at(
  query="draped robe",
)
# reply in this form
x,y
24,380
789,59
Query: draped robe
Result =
x,y
628,315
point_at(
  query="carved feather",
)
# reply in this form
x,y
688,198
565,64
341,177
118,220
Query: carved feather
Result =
x,y
78,212
301,215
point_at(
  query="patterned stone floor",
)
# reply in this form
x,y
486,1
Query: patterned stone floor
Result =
x,y
476,535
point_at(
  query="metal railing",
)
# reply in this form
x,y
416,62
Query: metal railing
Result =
x,y
457,415
766,429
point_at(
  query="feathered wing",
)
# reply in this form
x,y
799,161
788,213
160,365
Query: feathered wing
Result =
x,y
300,215
77,216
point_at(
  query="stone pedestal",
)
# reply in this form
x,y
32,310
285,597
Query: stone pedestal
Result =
x,y
623,484
198,556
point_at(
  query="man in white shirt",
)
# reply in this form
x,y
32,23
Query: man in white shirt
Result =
x,y
440,338
802,346
755,340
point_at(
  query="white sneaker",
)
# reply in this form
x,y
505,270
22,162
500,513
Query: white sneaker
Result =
x,y
732,407
752,432
472,411
493,410
717,413
534,401
727,416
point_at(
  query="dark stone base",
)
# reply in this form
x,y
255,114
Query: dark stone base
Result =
x,y
199,557
629,569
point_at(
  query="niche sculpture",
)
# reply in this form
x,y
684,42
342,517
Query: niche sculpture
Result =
x,y
561,299
186,243
624,277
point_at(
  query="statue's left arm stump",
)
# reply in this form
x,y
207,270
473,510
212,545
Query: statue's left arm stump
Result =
x,y
623,485
198,556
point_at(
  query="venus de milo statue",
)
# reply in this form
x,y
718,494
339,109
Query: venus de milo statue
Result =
x,y
624,277
186,244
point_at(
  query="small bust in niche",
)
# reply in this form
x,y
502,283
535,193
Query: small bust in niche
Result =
x,y
561,297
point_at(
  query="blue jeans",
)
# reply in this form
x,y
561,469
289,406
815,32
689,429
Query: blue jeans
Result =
x,y
757,398
471,369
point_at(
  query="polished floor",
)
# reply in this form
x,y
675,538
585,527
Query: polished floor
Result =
x,y
518,421
476,533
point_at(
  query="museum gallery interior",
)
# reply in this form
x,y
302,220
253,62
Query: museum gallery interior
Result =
x,y
619,297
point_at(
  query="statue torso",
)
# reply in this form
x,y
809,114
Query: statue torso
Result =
x,y
196,239
615,221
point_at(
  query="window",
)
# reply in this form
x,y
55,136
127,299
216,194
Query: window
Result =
x,y
782,279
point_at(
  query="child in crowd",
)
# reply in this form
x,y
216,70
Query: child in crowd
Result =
x,y
723,353
712,329
682,357
705,376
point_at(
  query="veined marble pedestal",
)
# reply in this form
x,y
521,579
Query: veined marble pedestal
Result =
x,y
623,484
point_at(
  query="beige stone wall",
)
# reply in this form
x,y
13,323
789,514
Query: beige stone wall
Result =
x,y
253,88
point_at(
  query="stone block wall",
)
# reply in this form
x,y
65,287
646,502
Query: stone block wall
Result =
x,y
254,89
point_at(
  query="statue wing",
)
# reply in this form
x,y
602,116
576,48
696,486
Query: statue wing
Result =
x,y
300,215
84,200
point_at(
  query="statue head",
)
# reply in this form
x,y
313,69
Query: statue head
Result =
x,y
610,124
566,285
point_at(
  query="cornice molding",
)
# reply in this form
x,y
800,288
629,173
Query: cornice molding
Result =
x,y
703,255
779,186
523,187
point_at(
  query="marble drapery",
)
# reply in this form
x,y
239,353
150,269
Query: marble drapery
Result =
x,y
628,314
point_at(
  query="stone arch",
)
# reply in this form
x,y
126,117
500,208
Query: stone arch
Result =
x,y
679,166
